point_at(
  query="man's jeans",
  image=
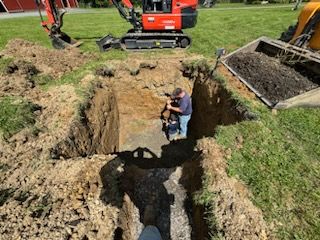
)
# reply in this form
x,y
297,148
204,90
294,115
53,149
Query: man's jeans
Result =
x,y
183,121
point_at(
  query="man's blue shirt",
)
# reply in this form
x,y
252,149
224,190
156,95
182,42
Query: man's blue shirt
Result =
x,y
185,105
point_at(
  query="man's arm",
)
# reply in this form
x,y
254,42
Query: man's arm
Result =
x,y
183,106
176,109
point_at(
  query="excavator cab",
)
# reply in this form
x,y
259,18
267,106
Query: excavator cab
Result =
x,y
169,15
156,6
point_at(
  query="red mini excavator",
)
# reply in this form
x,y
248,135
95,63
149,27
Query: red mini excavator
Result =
x,y
159,26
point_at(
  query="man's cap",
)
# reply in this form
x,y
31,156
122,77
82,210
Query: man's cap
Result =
x,y
176,92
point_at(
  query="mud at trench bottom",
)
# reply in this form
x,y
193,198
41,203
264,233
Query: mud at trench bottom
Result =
x,y
162,188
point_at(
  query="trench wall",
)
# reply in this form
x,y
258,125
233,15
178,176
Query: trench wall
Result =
x,y
95,131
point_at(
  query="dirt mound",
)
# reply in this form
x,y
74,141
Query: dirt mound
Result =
x,y
17,78
24,68
48,61
272,79
236,216
97,130
48,199
56,200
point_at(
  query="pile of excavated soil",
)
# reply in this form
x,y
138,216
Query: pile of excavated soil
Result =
x,y
17,78
55,200
41,198
49,61
272,79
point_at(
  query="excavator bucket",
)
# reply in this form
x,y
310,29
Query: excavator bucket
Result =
x,y
62,40
307,62
108,42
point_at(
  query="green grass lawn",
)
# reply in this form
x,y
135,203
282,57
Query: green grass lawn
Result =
x,y
279,160
228,28
15,114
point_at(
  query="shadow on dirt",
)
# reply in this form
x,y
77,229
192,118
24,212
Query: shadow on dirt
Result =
x,y
135,179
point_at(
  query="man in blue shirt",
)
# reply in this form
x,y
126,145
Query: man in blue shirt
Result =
x,y
184,110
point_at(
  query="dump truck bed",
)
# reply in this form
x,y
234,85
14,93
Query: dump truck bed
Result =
x,y
297,68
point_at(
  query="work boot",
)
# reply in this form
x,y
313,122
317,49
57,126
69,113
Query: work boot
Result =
x,y
180,137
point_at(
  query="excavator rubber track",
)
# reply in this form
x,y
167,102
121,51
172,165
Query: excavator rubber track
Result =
x,y
135,41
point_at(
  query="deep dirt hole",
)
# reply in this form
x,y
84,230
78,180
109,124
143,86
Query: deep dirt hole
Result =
x,y
137,178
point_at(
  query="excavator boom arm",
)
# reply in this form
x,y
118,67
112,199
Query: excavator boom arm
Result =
x,y
54,20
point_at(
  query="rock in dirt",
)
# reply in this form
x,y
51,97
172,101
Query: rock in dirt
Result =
x,y
105,71
134,71
270,77
22,67
148,65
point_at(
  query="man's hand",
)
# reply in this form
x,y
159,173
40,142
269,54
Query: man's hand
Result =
x,y
169,106
169,101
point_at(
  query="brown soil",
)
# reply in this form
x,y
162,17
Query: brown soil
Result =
x,y
104,196
97,129
213,106
236,216
272,79
52,62
235,84
17,78
42,198
56,200
142,97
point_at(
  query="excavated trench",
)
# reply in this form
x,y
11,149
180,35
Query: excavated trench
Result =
x,y
139,177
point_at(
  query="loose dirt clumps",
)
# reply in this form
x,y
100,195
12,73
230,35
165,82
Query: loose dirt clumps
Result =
x,y
43,198
56,200
235,215
52,62
104,196
269,76
17,78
